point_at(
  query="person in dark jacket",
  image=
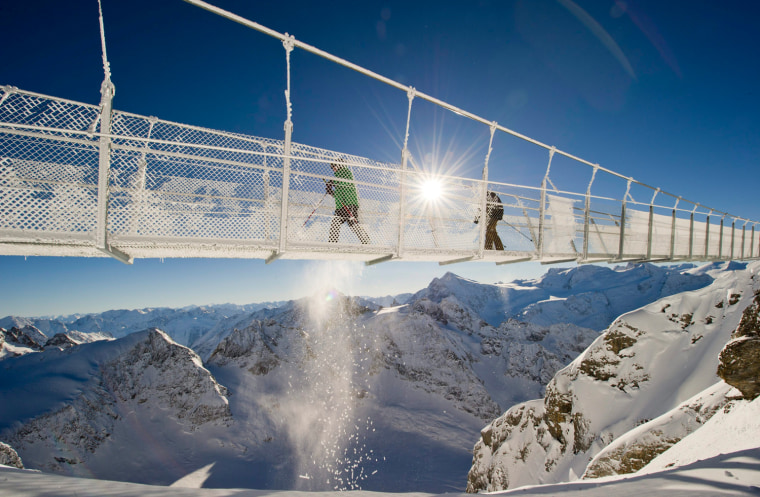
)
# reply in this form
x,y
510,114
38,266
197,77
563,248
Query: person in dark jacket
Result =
x,y
346,202
495,213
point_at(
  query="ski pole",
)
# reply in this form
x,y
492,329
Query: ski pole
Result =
x,y
315,209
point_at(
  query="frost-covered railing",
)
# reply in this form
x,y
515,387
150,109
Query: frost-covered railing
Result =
x,y
175,190
85,180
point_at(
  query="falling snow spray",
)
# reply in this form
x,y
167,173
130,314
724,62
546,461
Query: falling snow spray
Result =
x,y
324,428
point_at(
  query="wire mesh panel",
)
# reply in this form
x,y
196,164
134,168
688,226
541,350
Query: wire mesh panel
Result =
x,y
636,234
603,228
699,235
440,213
726,241
339,202
712,240
48,169
658,243
746,242
518,229
560,227
171,182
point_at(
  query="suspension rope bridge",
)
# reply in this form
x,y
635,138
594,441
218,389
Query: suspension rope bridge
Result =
x,y
90,181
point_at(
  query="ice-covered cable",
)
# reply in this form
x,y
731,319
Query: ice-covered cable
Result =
x,y
106,65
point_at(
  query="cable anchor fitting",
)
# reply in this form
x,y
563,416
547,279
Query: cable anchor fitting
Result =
x,y
289,42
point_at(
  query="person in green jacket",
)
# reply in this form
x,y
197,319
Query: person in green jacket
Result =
x,y
346,202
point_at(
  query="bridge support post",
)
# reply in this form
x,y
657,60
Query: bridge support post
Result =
x,y
691,234
402,203
542,207
621,241
720,238
673,231
650,229
288,43
484,198
587,214
104,173
410,94
107,91
285,188
707,237
744,233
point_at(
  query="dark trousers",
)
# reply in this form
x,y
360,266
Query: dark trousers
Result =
x,y
347,214
492,237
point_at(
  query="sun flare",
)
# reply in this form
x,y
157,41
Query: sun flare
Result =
x,y
431,189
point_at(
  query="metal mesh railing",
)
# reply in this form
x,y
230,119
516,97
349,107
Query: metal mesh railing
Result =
x,y
176,191
48,169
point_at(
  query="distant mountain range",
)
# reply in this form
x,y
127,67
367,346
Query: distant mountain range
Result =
x,y
345,392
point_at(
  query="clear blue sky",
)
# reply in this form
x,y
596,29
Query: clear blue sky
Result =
x,y
664,91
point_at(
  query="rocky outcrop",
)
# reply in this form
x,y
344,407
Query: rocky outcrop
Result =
x,y
60,341
9,457
252,348
146,374
636,449
26,336
740,359
645,365
169,375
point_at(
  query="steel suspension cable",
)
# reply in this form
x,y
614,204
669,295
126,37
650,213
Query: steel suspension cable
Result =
x,y
309,48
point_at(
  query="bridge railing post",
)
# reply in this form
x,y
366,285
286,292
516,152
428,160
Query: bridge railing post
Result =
x,y
621,241
267,200
587,214
107,91
104,164
707,236
104,176
410,94
484,197
650,228
673,230
542,207
691,233
288,43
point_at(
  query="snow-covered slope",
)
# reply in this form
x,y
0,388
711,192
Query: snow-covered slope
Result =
x,y
81,410
649,362
336,392
722,471
587,296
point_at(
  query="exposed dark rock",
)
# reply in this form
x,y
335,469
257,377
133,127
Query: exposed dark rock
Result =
x,y
60,341
740,358
9,457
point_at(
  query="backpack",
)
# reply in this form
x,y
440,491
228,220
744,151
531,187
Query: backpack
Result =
x,y
495,211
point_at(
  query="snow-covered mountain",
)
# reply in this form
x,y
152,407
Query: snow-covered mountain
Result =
x,y
338,392
588,296
184,325
20,341
104,407
644,385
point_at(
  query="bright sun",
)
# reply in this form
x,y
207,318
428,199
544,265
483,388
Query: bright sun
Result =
x,y
431,189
